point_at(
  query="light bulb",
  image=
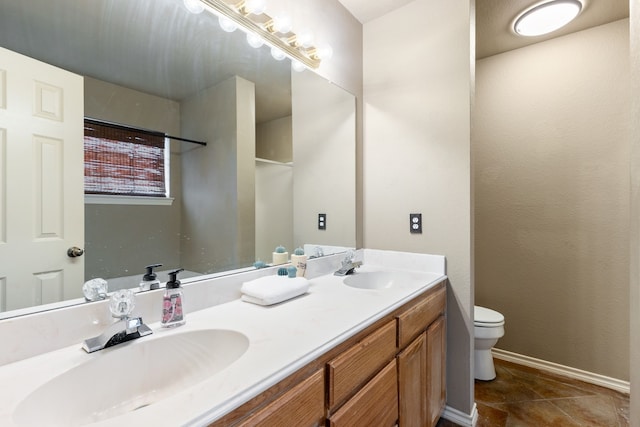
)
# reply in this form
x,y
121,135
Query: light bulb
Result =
x,y
298,66
305,39
254,40
547,17
277,54
194,6
256,7
282,24
325,51
227,24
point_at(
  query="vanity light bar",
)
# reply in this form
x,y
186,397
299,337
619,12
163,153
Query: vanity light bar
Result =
x,y
262,25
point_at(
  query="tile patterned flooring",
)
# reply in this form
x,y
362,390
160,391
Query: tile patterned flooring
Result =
x,y
526,397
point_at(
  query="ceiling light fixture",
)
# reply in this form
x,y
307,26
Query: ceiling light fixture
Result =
x,y
546,17
249,16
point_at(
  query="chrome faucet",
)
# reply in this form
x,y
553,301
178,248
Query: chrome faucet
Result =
x,y
125,329
348,265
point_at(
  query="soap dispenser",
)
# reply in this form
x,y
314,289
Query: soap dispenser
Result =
x,y
172,314
150,280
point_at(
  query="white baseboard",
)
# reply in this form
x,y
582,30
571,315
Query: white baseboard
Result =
x,y
460,418
565,371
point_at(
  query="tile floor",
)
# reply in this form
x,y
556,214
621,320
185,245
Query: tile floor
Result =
x,y
522,396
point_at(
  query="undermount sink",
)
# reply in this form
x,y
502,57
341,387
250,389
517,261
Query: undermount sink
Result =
x,y
131,376
382,279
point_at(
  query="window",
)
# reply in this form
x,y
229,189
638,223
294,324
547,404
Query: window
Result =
x,y
124,161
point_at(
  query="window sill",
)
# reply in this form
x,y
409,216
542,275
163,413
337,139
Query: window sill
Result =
x,y
99,199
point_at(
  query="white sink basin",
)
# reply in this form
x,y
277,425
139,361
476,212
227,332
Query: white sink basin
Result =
x,y
383,279
130,376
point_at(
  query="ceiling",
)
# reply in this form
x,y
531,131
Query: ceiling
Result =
x,y
494,18
367,10
148,40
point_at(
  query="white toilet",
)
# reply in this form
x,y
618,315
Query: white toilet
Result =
x,y
488,329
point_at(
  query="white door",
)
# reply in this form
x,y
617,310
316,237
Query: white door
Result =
x,y
41,182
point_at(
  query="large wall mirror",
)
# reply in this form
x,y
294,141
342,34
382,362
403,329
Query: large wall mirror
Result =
x,y
280,148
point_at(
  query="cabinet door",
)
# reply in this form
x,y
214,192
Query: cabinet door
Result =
x,y
376,404
412,385
436,370
303,406
356,366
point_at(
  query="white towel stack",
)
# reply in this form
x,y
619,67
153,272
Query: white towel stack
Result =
x,y
270,290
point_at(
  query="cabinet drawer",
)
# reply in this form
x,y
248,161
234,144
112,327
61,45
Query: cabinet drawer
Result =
x,y
419,317
303,404
354,367
375,405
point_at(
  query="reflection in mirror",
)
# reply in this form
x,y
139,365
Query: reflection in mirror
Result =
x,y
153,65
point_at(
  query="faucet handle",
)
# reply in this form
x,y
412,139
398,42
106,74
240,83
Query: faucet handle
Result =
x,y
95,289
349,257
122,303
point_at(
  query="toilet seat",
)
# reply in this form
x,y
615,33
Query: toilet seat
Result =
x,y
486,318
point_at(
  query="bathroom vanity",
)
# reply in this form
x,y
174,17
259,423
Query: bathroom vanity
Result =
x,y
369,346
392,371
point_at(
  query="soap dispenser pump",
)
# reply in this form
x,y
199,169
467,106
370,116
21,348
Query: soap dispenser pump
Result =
x,y
172,314
150,279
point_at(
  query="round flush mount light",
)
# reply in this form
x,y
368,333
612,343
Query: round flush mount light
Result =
x,y
546,17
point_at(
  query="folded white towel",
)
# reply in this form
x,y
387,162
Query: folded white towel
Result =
x,y
273,289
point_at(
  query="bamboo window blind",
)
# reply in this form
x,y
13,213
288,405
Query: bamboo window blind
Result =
x,y
124,161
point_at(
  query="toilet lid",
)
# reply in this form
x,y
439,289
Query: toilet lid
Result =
x,y
486,316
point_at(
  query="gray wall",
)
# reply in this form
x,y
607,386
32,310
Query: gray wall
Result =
x,y
218,181
551,158
121,239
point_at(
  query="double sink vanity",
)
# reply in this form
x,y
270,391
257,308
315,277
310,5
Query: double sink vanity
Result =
x,y
355,349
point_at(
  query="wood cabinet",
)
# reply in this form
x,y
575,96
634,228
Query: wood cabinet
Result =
x,y
412,383
392,372
354,367
436,370
303,406
421,362
415,320
376,404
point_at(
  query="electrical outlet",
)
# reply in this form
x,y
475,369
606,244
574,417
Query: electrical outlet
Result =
x,y
322,221
415,223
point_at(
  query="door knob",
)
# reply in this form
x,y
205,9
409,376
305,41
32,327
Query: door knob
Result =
x,y
74,251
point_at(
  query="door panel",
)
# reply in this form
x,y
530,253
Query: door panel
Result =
x,y
41,182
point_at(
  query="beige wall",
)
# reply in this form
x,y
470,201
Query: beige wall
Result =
x,y
116,238
274,209
331,23
417,97
274,187
324,155
551,158
273,140
634,415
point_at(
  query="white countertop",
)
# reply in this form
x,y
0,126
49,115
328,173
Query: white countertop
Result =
x,y
282,339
